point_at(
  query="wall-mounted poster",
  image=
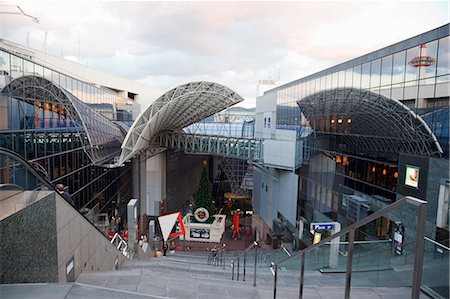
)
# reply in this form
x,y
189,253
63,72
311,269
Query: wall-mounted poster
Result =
x,y
201,233
412,176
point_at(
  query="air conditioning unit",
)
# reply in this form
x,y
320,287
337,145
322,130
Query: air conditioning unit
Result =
x,y
358,208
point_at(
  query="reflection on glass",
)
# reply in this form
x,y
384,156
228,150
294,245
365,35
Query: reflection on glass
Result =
x,y
341,79
443,57
365,76
386,70
375,73
348,77
411,71
429,52
357,77
398,67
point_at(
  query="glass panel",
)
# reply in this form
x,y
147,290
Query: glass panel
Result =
x,y
5,68
16,67
357,77
341,79
426,88
411,70
375,69
398,68
328,81
334,78
365,76
443,66
39,70
348,77
28,68
386,70
429,51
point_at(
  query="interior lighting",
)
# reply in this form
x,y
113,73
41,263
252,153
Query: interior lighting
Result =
x,y
373,169
396,174
345,160
384,171
340,121
338,159
332,120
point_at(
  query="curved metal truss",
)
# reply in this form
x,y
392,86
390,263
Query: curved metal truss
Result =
x,y
101,138
364,122
239,174
174,110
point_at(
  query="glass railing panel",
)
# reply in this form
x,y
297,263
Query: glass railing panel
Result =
x,y
383,249
435,280
19,186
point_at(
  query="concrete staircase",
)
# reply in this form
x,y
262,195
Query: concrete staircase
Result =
x,y
187,275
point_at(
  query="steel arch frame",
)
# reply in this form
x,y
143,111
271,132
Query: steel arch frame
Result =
x,y
179,107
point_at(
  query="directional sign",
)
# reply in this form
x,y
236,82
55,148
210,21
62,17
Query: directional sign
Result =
x,y
322,226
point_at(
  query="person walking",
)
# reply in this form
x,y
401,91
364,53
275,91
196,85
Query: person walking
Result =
x,y
64,193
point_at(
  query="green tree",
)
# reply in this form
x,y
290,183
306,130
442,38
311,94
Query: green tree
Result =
x,y
203,197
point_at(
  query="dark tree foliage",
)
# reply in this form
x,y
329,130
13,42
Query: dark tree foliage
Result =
x,y
203,197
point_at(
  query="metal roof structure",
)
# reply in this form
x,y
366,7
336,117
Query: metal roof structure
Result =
x,y
179,107
367,122
102,138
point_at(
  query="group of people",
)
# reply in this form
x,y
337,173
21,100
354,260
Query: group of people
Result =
x,y
166,246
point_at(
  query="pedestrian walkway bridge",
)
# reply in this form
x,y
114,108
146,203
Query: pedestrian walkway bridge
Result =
x,y
231,147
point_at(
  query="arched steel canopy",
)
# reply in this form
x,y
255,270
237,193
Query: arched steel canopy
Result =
x,y
174,110
102,135
370,123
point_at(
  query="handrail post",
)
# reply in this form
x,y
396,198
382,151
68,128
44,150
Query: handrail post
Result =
x,y
348,274
254,272
275,282
238,270
302,274
418,259
232,270
245,259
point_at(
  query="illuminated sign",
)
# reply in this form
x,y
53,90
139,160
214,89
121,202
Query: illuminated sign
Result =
x,y
412,176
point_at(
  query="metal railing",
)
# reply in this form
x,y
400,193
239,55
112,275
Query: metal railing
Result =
x,y
120,244
244,255
216,257
419,249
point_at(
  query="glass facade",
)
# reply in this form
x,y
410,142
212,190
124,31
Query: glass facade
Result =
x,y
414,73
357,153
65,128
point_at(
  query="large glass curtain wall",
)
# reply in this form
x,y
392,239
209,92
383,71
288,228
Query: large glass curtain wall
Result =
x,y
393,76
331,171
46,133
101,100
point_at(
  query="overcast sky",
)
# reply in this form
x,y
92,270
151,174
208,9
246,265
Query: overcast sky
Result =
x,y
164,44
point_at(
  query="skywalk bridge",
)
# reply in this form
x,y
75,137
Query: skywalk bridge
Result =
x,y
250,149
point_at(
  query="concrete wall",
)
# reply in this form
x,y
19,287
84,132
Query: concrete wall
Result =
x,y
79,240
29,252
45,236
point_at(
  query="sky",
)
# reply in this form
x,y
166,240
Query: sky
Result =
x,y
165,44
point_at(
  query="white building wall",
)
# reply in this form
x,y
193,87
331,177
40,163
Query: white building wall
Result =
x,y
266,108
155,186
275,191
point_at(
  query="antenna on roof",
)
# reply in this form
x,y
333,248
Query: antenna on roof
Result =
x,y
19,12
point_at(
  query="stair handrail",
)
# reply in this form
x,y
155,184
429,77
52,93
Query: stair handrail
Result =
x,y
255,246
418,261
